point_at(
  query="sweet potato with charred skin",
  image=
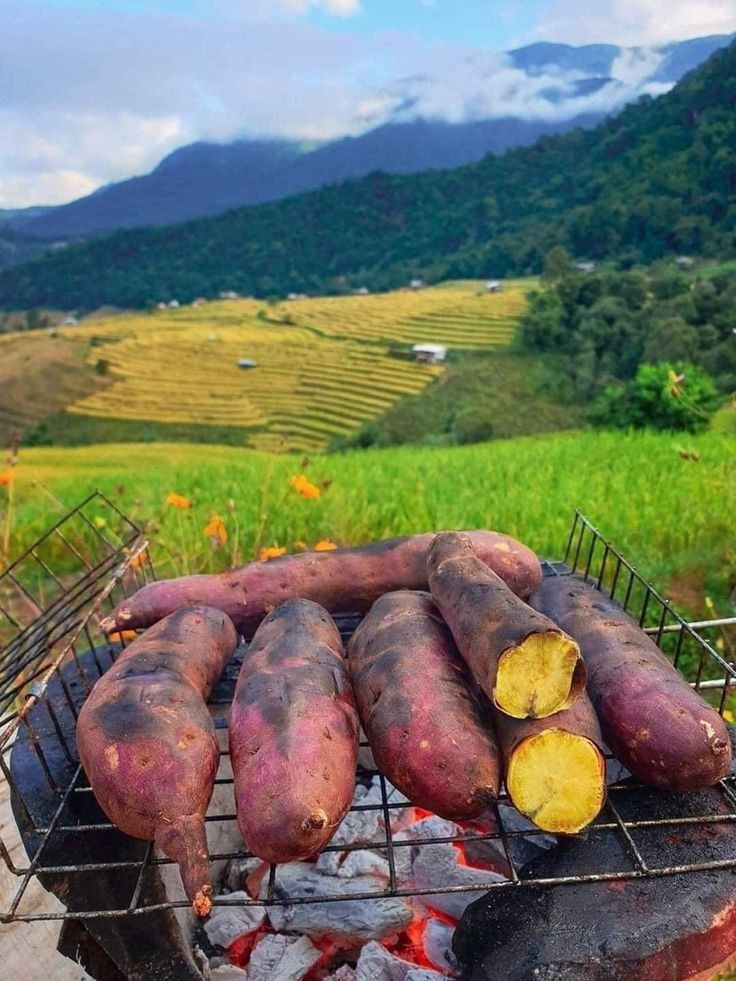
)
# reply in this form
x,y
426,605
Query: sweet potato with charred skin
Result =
x,y
555,770
293,735
147,742
657,726
342,580
525,664
425,726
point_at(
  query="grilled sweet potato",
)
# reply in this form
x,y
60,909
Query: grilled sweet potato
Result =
x,y
424,724
341,580
555,771
293,735
525,664
147,742
660,729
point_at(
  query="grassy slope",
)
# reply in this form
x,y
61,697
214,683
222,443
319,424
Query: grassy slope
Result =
x,y
495,396
674,517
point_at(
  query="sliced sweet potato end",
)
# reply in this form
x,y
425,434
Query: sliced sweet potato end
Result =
x,y
539,676
557,779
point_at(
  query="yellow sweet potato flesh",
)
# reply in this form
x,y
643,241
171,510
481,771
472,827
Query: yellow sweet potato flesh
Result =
x,y
536,677
557,779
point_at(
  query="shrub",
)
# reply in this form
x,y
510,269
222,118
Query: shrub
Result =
x,y
676,396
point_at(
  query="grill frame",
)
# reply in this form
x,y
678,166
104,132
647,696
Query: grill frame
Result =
x,y
44,652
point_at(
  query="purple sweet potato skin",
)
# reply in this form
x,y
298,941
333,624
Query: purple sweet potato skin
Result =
x,y
147,742
341,580
484,615
427,729
657,726
293,735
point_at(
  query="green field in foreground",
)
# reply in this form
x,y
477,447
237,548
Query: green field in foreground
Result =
x,y
673,516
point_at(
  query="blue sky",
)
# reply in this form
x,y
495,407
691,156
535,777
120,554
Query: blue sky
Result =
x,y
93,91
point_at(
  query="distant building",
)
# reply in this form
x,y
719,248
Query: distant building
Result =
x,y
247,363
429,353
228,295
173,304
684,261
162,306
69,322
416,284
199,302
494,286
585,267
361,291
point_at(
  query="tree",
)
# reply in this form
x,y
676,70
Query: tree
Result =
x,y
557,265
676,396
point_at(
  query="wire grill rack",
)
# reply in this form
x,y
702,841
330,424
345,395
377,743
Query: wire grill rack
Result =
x,y
51,601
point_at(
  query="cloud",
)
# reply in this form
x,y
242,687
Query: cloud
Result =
x,y
636,22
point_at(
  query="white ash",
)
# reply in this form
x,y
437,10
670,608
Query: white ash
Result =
x,y
438,944
377,964
227,923
361,919
364,863
437,865
228,972
362,827
429,827
238,870
344,973
280,958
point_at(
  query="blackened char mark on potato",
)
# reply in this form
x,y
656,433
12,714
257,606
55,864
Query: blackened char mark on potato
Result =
x,y
654,929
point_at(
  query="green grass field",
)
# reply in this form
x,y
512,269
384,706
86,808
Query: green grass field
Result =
x,y
672,516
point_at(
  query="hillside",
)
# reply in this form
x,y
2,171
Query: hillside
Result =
x,y
658,178
324,367
445,118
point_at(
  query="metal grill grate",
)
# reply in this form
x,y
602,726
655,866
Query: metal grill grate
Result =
x,y
44,679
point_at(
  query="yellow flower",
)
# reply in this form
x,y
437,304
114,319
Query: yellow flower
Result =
x,y
177,501
100,522
728,716
216,528
6,478
324,546
272,552
305,487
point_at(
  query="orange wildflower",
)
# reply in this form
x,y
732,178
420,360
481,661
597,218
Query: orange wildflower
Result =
x,y
324,546
272,552
302,546
6,478
178,501
305,487
122,636
216,528
138,561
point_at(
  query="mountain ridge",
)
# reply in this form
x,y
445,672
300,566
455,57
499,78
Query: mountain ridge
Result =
x,y
407,136
657,179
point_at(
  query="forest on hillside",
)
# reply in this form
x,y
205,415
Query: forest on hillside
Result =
x,y
657,179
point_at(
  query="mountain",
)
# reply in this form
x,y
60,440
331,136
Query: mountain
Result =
x,y
443,119
658,178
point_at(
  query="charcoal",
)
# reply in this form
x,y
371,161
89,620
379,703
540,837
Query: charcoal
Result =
x,y
437,865
227,923
377,964
228,972
364,863
438,944
279,958
625,930
355,919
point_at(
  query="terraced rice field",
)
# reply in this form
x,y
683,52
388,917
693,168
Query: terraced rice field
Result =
x,y
324,365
